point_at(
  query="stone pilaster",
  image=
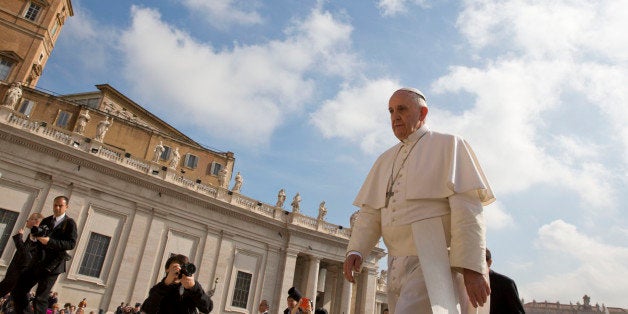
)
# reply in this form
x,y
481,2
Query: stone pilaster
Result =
x,y
312,277
345,303
367,290
331,280
148,270
224,266
287,279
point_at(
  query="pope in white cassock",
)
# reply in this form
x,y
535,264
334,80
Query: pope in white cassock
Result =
x,y
424,196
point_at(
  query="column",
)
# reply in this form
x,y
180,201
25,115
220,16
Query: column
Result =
x,y
345,303
368,289
322,278
126,268
331,281
148,269
312,278
208,260
223,268
287,280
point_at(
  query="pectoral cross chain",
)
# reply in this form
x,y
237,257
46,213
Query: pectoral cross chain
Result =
x,y
389,194
393,176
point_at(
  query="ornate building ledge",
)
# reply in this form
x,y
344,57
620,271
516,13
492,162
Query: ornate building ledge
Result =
x,y
117,156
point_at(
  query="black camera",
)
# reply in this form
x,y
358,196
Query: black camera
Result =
x,y
40,231
187,270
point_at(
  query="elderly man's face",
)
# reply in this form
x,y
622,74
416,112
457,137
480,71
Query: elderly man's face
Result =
x,y
405,114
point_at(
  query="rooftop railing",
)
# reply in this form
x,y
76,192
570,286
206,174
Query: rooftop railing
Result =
x,y
149,168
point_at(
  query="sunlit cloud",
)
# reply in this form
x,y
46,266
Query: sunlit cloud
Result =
x,y
359,114
599,267
394,7
243,93
223,13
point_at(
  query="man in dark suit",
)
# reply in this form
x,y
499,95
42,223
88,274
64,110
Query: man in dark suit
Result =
x,y
504,294
61,238
27,252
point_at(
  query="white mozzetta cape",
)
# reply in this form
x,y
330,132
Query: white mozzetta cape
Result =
x,y
440,165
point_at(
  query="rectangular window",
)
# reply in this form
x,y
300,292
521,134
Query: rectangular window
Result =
x,y
215,168
7,222
32,12
241,290
89,102
166,154
5,68
191,161
94,257
63,118
27,107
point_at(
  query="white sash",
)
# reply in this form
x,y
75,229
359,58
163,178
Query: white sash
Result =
x,y
431,247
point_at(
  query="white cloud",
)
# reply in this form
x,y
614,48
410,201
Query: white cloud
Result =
x,y
243,93
329,38
551,53
223,13
502,124
496,218
601,269
359,114
517,96
561,29
394,7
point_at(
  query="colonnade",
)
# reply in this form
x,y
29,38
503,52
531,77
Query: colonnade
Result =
x,y
321,281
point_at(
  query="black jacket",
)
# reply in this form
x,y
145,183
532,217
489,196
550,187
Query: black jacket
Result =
x,y
504,295
62,239
166,299
26,253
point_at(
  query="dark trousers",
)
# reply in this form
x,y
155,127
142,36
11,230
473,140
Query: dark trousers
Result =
x,y
10,280
44,281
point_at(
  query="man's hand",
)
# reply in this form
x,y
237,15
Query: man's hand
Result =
x,y
478,288
43,240
187,282
353,262
172,276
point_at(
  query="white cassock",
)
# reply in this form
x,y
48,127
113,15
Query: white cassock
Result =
x,y
432,222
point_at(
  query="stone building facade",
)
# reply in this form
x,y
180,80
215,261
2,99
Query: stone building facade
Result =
x,y
140,190
133,210
28,32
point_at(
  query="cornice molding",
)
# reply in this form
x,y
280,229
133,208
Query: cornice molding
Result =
x,y
86,160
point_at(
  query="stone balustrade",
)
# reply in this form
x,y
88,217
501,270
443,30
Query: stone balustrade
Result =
x,y
117,156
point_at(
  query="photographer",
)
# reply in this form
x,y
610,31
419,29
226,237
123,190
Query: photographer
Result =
x,y
177,292
26,252
56,234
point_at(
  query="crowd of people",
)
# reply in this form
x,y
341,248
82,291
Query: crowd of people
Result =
x,y
296,304
54,307
7,306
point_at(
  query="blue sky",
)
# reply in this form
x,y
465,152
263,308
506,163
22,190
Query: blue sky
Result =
x,y
298,90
